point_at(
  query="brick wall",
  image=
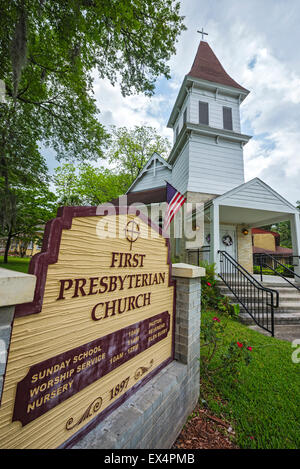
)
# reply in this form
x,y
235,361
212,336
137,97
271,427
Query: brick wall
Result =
x,y
244,245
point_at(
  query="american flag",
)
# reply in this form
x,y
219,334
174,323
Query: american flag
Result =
x,y
175,200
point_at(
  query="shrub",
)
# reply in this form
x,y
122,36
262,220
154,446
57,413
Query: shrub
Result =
x,y
233,355
211,297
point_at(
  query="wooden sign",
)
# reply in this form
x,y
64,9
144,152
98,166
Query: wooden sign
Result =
x,y
101,325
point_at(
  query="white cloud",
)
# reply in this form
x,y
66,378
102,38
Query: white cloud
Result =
x,y
131,110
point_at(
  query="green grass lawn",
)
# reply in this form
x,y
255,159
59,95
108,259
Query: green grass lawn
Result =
x,y
263,404
16,263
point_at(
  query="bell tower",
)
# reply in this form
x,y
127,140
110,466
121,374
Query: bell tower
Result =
x,y
207,153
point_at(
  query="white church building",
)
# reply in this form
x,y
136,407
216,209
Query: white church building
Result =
x,y
206,164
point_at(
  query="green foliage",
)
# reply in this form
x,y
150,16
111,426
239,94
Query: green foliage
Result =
x,y
49,50
130,149
26,212
211,297
233,355
284,229
279,269
175,259
262,404
86,185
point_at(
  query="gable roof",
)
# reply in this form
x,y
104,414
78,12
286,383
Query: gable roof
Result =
x,y
255,194
206,66
156,157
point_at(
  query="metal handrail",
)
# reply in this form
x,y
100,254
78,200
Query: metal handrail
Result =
x,y
248,287
250,276
198,251
276,272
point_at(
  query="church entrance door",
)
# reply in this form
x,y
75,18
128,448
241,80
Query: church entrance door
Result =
x,y
228,240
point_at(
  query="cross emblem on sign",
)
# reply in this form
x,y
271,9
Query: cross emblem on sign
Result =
x,y
203,33
132,232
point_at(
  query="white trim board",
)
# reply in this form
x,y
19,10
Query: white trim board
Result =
x,y
155,157
283,204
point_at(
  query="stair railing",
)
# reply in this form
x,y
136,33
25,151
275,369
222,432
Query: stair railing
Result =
x,y
275,262
258,301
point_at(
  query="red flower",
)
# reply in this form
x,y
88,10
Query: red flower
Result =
x,y
249,348
209,284
216,319
239,344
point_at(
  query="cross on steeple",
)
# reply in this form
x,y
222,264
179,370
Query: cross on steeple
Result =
x,y
203,33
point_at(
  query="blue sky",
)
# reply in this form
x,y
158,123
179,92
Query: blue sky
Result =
x,y
257,42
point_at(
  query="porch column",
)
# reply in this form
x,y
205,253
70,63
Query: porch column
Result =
x,y
295,231
215,236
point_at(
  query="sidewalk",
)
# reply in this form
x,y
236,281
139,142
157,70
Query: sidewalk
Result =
x,y
283,332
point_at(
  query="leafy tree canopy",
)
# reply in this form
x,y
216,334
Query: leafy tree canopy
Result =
x,y
87,185
50,48
27,210
130,149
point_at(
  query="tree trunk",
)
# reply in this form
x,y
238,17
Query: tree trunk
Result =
x,y
7,246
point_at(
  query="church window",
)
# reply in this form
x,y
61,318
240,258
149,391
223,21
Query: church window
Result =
x,y
227,118
203,113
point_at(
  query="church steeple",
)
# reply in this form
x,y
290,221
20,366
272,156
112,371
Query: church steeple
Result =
x,y
206,66
207,155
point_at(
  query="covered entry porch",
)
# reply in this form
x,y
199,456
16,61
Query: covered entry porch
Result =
x,y
230,217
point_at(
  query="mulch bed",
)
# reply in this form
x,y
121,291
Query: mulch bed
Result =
x,y
205,431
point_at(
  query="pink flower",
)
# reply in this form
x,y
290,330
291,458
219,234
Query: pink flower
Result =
x,y
239,344
249,348
216,319
209,284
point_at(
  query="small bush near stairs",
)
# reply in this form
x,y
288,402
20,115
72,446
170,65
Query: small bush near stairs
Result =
x,y
212,331
211,297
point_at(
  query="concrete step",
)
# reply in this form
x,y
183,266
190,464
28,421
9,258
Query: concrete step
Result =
x,y
280,318
289,301
280,289
279,310
287,332
275,286
285,307
287,295
288,311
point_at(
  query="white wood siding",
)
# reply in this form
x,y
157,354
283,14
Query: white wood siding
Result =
x,y
179,120
256,196
180,172
150,180
214,168
215,106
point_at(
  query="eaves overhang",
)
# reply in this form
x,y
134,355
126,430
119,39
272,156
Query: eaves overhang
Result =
x,y
204,130
214,87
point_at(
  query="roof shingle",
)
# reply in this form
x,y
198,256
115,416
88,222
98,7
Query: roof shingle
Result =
x,y
207,67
